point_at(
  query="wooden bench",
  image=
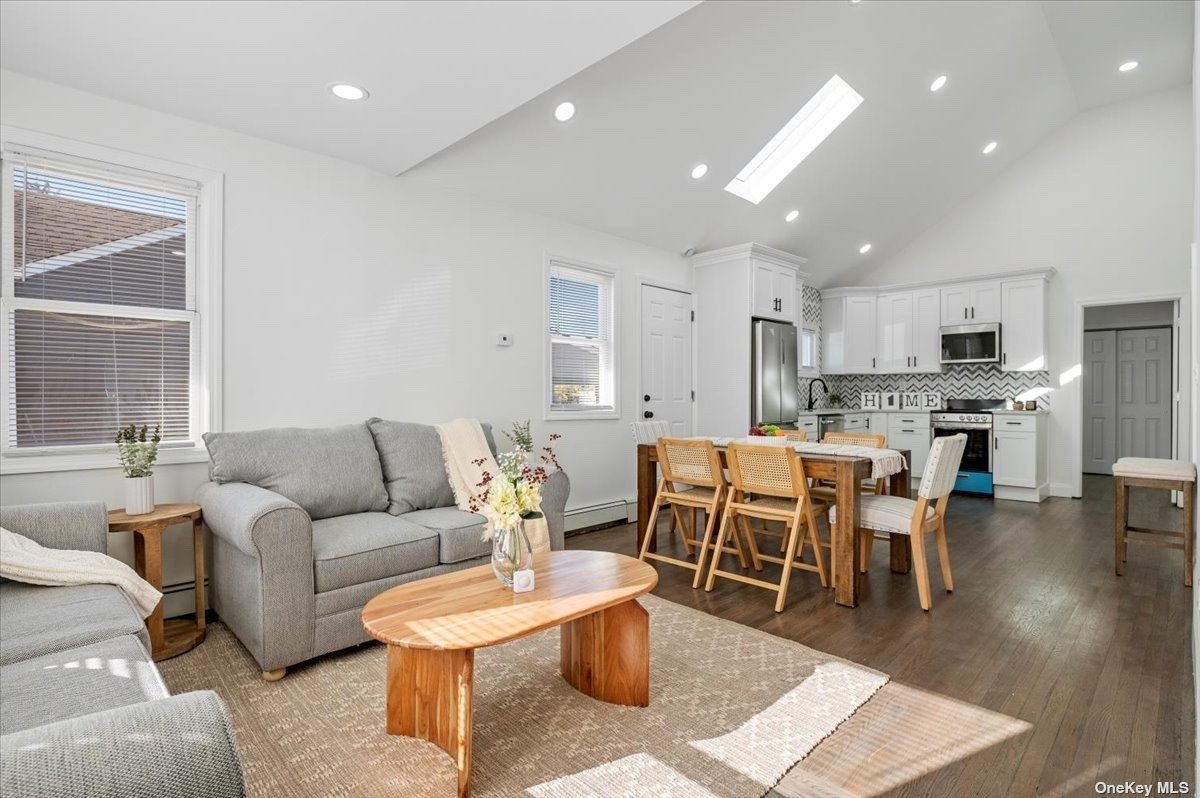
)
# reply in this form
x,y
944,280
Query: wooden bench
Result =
x,y
1146,472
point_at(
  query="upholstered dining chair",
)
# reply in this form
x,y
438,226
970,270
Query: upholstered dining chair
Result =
x,y
692,479
900,515
825,491
769,485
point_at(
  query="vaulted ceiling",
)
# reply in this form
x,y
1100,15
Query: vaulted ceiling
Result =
x,y
462,96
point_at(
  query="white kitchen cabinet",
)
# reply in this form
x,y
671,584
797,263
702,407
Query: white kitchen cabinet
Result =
x,y
878,423
848,337
727,297
907,338
1020,467
910,431
971,303
855,422
810,425
774,290
1023,325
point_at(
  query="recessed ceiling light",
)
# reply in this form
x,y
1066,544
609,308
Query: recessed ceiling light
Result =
x,y
811,125
864,249
564,111
1128,66
938,82
348,91
990,147
792,216
699,171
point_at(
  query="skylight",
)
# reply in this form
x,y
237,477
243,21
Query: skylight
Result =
x,y
811,125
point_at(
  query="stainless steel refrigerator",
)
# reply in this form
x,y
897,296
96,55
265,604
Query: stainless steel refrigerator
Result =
x,y
773,373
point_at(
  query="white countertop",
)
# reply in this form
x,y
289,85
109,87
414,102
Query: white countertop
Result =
x,y
851,411
1041,411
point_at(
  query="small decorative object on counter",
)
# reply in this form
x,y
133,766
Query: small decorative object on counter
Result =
x,y
931,401
767,431
1018,405
889,400
1030,404
869,400
138,451
835,400
910,400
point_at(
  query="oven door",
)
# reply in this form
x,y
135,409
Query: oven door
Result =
x,y
975,471
971,343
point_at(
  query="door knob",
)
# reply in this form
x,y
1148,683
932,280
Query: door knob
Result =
x,y
647,414
646,398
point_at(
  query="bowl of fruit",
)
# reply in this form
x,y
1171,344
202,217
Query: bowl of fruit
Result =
x,y
771,432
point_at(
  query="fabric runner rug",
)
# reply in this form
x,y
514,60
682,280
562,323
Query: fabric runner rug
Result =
x,y
732,709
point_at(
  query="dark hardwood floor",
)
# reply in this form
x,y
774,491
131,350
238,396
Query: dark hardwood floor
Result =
x,y
1042,673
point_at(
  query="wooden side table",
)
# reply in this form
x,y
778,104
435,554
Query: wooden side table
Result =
x,y
179,634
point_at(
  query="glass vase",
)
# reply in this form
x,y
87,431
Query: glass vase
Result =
x,y
511,552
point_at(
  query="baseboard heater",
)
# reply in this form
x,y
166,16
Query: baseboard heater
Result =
x,y
579,518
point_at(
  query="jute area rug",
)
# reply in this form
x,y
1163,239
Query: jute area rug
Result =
x,y
731,710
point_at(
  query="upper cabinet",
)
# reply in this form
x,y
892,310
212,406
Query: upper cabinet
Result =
x,y
971,303
1023,328
848,325
906,324
774,288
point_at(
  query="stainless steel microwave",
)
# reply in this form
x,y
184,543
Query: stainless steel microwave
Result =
x,y
971,343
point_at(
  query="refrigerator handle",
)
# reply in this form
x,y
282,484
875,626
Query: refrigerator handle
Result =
x,y
758,359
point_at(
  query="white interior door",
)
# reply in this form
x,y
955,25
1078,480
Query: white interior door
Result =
x,y
666,384
1099,382
1144,393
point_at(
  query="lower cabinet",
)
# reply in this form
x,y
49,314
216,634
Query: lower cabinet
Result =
x,y
910,431
1020,470
809,425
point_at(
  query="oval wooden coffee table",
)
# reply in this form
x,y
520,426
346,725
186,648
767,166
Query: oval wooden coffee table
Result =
x,y
433,626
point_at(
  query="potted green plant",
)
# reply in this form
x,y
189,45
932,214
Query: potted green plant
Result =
x,y
138,451
835,400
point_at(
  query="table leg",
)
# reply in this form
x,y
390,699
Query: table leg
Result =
x,y
147,560
198,562
607,654
429,696
647,476
845,532
901,485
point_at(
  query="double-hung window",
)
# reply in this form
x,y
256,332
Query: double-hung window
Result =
x,y
101,318
581,342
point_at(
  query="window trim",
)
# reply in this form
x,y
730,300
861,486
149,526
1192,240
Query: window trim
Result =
x,y
549,411
205,284
801,370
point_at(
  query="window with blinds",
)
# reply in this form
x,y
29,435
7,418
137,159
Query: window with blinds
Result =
x,y
581,352
98,304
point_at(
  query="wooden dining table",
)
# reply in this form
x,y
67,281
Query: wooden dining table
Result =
x,y
846,472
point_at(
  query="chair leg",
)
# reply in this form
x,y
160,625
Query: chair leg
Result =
x,y
710,521
1120,522
650,528
944,555
735,536
793,535
722,534
751,543
866,539
811,523
1189,532
921,569
689,531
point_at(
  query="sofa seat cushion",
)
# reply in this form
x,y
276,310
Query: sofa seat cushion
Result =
x,y
329,472
352,549
78,681
36,620
459,532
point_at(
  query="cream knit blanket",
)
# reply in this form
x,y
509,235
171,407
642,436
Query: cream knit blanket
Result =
x,y
467,456
24,560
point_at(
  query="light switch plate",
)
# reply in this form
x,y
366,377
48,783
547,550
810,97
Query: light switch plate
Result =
x,y
503,339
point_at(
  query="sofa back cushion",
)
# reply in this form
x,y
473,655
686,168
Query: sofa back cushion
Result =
x,y
328,471
414,469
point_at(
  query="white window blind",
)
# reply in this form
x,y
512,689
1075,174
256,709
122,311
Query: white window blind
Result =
x,y
98,304
581,340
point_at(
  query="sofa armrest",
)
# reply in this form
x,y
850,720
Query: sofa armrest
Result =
x,y
254,520
81,526
554,506
179,746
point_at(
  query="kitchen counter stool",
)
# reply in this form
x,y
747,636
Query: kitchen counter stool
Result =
x,y
1148,472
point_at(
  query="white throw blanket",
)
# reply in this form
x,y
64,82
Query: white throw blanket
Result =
x,y
884,462
24,560
463,447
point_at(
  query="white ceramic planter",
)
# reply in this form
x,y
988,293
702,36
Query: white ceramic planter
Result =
x,y
139,495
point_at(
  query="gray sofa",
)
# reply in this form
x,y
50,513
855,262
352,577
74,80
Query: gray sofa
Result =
x,y
309,524
83,711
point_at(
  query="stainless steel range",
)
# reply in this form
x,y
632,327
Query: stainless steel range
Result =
x,y
972,417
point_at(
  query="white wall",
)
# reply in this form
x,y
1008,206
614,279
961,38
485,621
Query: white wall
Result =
x,y
1106,201
349,293
1129,316
1195,367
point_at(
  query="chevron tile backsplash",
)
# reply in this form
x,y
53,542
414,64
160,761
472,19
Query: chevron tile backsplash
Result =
x,y
966,381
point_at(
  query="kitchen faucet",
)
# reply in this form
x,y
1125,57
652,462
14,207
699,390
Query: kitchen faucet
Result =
x,y
824,387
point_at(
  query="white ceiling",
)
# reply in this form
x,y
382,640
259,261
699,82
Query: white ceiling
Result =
x,y
436,71
711,85
715,84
